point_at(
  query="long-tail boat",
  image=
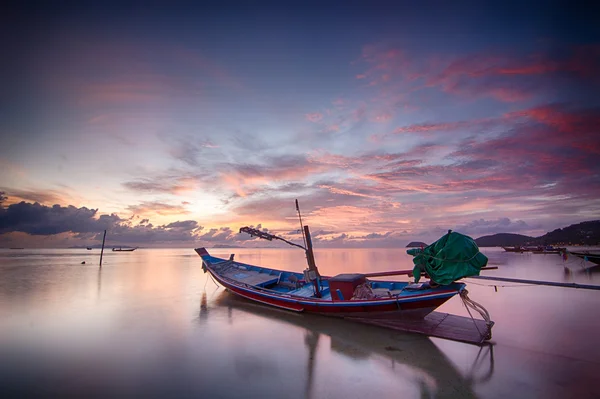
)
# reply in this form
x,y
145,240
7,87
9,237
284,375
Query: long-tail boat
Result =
x,y
349,295
124,249
514,249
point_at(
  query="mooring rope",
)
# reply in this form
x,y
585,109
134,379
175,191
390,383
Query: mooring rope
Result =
x,y
469,303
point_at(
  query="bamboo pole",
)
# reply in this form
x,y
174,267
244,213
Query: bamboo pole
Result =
x,y
102,251
310,257
408,272
538,282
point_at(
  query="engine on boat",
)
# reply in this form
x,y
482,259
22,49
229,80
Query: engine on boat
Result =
x,y
342,286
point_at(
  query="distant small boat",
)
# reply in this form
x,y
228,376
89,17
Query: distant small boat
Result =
x,y
17,248
549,250
89,248
124,249
513,249
589,256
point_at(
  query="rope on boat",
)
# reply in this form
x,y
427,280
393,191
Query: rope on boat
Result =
x,y
211,277
469,303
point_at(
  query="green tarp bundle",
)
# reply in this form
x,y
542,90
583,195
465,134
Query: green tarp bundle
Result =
x,y
450,258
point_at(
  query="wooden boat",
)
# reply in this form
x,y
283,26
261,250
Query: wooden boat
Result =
x,y
588,256
391,304
124,249
334,296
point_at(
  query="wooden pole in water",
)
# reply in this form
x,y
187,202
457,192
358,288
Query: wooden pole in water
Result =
x,y
310,257
102,251
538,282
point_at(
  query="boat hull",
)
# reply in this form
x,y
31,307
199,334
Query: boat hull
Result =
x,y
416,305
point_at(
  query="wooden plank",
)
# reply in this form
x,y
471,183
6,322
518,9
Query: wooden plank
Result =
x,y
436,324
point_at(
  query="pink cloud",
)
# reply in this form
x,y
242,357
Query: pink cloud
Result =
x,y
430,128
382,118
175,185
510,95
158,208
499,76
315,117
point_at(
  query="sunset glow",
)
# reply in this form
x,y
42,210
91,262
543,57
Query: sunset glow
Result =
x,y
177,128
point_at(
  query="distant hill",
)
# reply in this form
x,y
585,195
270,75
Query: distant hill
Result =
x,y
416,244
584,233
503,240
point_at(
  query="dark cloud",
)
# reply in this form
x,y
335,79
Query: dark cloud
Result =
x,y
37,219
184,232
184,225
375,236
44,197
218,235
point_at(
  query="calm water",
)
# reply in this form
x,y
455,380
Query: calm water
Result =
x,y
151,324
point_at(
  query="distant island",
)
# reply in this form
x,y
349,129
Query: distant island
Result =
x,y
504,240
585,233
226,246
416,244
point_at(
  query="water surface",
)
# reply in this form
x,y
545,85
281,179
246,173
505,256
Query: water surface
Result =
x,y
151,323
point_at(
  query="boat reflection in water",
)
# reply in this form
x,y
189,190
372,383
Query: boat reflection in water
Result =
x,y
408,358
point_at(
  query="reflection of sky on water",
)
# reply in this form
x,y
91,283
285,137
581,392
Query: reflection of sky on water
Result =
x,y
151,323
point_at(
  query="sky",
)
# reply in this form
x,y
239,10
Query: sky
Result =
x,y
175,124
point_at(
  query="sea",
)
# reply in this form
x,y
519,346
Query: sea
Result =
x,y
151,324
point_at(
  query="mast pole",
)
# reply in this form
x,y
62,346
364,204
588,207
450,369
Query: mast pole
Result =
x,y
301,227
312,266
